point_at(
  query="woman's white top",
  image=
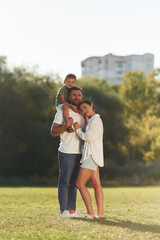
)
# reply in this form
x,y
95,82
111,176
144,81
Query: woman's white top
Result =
x,y
93,137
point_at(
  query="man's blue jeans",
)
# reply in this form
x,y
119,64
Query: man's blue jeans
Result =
x,y
68,171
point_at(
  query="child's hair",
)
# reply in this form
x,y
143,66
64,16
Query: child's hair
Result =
x,y
72,89
70,75
87,102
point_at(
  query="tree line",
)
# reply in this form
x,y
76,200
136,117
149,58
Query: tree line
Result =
x,y
130,112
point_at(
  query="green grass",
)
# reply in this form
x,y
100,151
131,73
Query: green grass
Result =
x,y
33,213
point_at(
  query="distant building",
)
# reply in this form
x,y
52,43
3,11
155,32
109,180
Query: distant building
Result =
x,y
111,67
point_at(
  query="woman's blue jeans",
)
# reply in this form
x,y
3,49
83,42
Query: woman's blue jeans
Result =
x,y
68,171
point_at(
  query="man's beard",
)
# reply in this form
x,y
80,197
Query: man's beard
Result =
x,y
74,103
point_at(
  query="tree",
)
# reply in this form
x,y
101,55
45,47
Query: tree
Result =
x,y
138,92
26,114
144,138
140,96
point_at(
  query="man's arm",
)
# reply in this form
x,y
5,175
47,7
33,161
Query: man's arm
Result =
x,y
57,129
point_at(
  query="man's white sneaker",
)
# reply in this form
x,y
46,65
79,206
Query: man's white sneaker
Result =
x,y
76,214
65,214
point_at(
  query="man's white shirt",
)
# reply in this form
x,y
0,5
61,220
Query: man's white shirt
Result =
x,y
69,142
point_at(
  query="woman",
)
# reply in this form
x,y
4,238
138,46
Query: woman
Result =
x,y
92,157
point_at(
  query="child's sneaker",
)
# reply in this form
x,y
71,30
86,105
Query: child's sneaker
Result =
x,y
70,129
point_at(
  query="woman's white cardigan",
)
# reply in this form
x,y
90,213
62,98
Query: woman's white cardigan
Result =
x,y
93,137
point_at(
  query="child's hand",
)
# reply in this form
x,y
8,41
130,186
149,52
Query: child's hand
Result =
x,y
76,125
74,108
69,122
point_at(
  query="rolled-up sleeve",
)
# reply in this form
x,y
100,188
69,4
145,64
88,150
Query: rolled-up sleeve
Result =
x,y
58,118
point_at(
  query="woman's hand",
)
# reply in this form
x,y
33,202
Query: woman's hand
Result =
x,y
76,125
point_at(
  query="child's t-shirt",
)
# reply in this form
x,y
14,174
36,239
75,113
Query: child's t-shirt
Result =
x,y
64,91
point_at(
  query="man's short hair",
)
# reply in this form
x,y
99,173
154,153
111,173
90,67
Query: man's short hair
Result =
x,y
74,89
70,75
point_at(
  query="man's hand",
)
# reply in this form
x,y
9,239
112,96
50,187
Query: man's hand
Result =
x,y
57,129
76,125
74,108
69,122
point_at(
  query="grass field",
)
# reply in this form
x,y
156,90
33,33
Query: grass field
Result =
x,y
33,213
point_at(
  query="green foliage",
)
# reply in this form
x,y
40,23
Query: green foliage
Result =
x,y
26,114
132,172
130,113
2,63
145,137
141,108
156,72
138,92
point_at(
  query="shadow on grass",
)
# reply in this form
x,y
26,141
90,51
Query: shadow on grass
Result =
x,y
126,224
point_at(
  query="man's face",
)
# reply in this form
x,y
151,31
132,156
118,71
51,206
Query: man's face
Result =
x,y
75,97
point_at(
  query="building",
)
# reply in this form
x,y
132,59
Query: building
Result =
x,y
111,67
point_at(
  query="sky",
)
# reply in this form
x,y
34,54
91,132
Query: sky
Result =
x,y
56,35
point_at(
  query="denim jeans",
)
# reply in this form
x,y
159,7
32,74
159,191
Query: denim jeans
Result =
x,y
68,171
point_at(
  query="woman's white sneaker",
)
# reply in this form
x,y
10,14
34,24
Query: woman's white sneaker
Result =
x,y
88,216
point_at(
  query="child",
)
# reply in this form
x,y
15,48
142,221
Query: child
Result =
x,y
62,98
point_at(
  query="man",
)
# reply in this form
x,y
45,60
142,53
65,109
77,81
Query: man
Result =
x,y
69,154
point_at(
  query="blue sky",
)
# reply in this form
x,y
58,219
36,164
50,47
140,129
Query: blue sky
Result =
x,y
57,35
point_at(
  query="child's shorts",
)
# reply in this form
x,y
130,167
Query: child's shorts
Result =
x,y
59,107
89,163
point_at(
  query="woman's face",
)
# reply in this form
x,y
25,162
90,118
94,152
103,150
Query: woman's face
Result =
x,y
86,110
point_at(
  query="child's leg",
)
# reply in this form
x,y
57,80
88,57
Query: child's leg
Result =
x,y
65,112
66,116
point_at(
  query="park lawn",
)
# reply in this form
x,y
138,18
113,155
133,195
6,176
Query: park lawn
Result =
x,y
28,213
